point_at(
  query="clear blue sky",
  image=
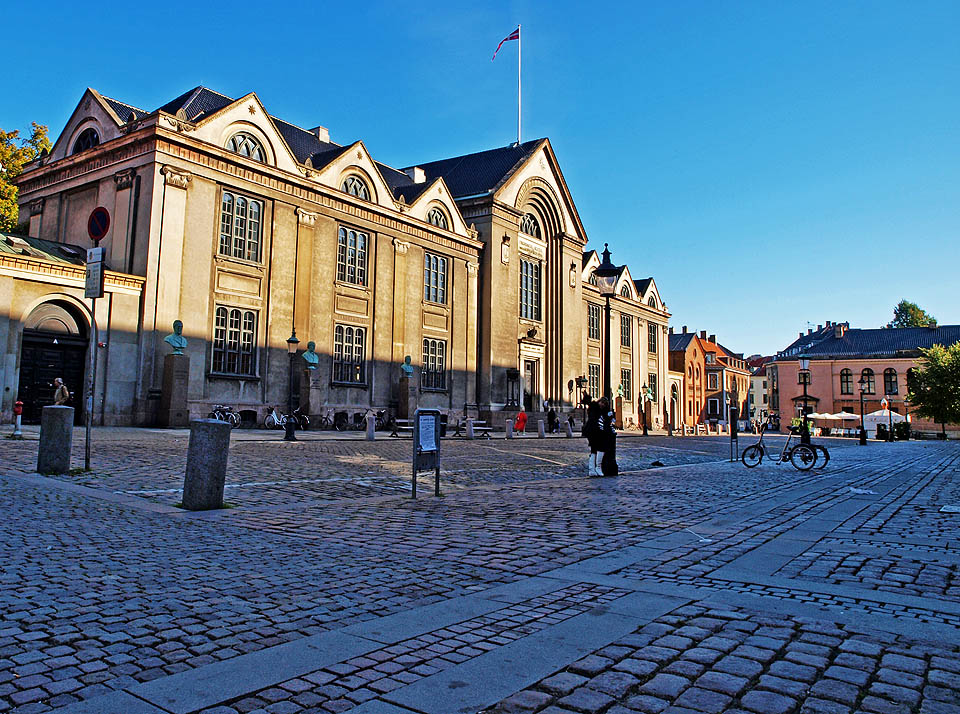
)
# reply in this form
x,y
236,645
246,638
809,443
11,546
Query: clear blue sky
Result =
x,y
769,163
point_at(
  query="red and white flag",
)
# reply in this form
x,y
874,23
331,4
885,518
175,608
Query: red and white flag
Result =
x,y
515,35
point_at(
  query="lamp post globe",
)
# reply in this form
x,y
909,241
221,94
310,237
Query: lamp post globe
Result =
x,y
289,424
607,274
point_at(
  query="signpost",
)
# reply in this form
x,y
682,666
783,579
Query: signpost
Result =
x,y
93,289
426,447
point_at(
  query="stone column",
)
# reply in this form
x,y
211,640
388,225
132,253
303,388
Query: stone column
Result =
x,y
56,440
121,238
206,464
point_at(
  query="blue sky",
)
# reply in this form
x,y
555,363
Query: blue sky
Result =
x,y
769,164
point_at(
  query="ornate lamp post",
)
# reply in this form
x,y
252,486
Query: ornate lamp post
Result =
x,y
803,377
289,425
863,431
607,274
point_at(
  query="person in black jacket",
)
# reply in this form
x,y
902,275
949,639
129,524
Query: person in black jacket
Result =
x,y
593,430
607,443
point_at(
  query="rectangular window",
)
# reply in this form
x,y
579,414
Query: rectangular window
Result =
x,y
713,407
764,397
593,321
712,380
652,338
652,386
240,227
433,372
235,341
626,330
530,290
434,278
352,256
593,381
626,381
349,349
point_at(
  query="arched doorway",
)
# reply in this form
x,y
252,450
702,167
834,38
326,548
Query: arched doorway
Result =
x,y
54,345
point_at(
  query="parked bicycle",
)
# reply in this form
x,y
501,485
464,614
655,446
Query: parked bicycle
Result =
x,y
278,420
223,412
802,456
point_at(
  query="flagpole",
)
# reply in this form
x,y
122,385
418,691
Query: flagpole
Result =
x,y
519,48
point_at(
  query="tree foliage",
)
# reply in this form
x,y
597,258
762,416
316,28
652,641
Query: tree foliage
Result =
x,y
909,314
934,385
13,156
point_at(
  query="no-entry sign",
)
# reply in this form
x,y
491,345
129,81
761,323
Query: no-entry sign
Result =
x,y
98,224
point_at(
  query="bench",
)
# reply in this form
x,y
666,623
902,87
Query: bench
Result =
x,y
402,428
481,430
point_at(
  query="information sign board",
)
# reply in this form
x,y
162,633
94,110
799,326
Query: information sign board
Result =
x,y
426,447
93,284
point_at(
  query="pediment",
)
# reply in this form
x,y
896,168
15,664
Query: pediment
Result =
x,y
438,196
356,160
91,112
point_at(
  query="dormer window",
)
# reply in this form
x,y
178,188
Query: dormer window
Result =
x,y
247,145
625,291
355,186
593,279
652,301
436,217
87,140
529,225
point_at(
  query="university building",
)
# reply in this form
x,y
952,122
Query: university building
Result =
x,y
251,230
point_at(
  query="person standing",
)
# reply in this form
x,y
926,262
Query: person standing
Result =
x,y
608,441
62,395
521,422
593,430
553,424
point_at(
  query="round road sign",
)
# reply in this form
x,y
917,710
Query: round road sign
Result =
x,y
98,223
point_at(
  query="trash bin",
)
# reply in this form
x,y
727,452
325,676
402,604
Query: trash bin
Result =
x,y
443,425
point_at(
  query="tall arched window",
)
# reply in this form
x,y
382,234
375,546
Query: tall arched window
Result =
x,y
846,381
355,186
869,382
529,225
87,140
890,385
652,301
593,279
625,291
437,218
246,145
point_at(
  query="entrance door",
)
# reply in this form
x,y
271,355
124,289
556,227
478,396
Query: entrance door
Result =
x,y
44,357
530,400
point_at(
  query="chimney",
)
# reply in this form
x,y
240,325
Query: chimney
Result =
x,y
703,334
829,324
323,134
416,174
839,330
671,330
801,334
684,329
809,330
713,339
819,328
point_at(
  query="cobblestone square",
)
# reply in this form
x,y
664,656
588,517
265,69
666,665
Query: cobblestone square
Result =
x,y
686,584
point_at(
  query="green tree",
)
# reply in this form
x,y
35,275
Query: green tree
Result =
x,y
13,156
909,314
934,385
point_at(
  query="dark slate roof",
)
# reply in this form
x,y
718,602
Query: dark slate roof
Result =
x,y
642,285
481,172
680,342
38,248
587,254
197,103
883,341
811,338
303,143
124,111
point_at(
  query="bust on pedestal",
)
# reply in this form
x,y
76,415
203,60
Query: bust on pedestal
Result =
x,y
176,379
407,397
311,397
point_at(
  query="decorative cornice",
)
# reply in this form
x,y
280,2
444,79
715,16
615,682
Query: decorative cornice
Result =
x,y
306,218
124,178
401,246
36,207
175,177
65,274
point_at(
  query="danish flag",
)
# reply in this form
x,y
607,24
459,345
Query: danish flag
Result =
x,y
515,35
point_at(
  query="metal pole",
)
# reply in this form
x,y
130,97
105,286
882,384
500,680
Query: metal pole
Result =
x,y
290,425
805,429
91,383
413,478
863,431
519,48
607,390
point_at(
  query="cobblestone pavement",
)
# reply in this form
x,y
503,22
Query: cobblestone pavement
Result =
x,y
698,586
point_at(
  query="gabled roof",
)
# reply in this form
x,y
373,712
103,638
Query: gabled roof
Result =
x,y
38,248
892,341
124,111
678,342
197,103
642,285
302,143
482,172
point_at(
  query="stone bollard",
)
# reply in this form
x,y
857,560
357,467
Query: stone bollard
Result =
x,y
56,440
470,429
206,464
508,429
371,427
541,431
569,429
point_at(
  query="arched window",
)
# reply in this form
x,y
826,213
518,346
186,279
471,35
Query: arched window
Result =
x,y
87,140
437,218
593,279
625,291
355,186
246,145
529,225
890,385
869,383
652,301
846,381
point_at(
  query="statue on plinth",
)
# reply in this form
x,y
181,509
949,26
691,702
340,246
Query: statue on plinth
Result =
x,y
310,356
175,339
406,369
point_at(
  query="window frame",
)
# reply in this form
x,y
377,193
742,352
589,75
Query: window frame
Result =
x,y
343,366
626,381
846,381
234,233
593,321
351,180
528,220
235,344
343,256
531,290
592,368
90,130
248,138
713,380
438,218
626,335
653,337
433,369
887,382
435,278
871,377
652,386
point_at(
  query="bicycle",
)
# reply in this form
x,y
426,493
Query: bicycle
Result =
x,y
802,456
223,412
325,422
275,420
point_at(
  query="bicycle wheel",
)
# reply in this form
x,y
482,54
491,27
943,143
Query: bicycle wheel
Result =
x,y
825,454
803,457
752,456
271,422
234,418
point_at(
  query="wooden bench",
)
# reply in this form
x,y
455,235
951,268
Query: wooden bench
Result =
x,y
481,430
402,428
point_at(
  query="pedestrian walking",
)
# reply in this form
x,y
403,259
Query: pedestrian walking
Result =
x,y
521,422
61,397
553,423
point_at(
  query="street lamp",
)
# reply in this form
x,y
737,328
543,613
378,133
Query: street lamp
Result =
x,y
804,378
289,424
607,274
863,431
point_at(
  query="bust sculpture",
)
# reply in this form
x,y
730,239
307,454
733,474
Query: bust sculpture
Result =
x,y
406,369
310,356
175,339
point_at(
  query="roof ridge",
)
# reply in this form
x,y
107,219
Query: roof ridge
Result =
x,y
476,153
128,106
